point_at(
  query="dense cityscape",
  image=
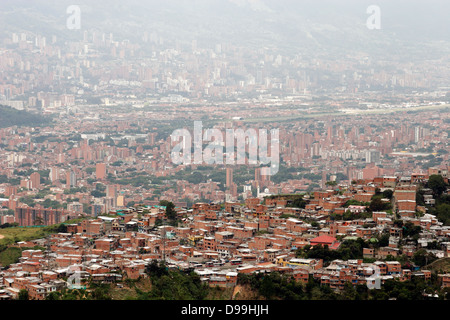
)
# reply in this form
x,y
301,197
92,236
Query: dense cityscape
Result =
x,y
94,207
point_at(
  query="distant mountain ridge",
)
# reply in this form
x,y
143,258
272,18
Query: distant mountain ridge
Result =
x,y
297,25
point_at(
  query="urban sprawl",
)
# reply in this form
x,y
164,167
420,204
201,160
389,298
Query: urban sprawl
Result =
x,y
364,157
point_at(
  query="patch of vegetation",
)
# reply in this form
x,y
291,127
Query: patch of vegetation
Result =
x,y
173,284
13,117
442,208
293,200
440,265
10,255
17,234
349,249
275,286
348,215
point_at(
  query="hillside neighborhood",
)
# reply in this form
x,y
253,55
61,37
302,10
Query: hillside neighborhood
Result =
x,y
364,233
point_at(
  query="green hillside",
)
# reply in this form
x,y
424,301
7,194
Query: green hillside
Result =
x,y
440,265
12,117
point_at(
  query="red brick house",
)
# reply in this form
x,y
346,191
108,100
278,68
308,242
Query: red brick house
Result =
x,y
325,240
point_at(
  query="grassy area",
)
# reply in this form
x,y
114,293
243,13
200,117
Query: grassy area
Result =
x,y
132,291
17,234
220,294
440,265
129,292
12,235
9,236
10,255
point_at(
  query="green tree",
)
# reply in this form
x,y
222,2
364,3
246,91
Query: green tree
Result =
x,y
410,230
384,240
388,193
377,205
100,292
52,296
443,213
421,257
420,199
171,214
298,202
173,284
90,170
97,194
62,228
437,184
349,292
267,288
23,295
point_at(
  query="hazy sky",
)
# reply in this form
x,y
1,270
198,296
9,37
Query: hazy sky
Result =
x,y
303,23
